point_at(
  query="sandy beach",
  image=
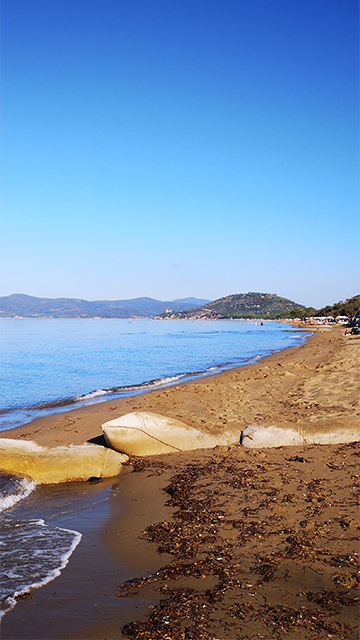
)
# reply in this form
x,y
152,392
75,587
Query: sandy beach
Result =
x,y
222,543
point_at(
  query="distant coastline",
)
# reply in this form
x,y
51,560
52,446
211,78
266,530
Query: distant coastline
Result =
x,y
252,305
23,306
240,306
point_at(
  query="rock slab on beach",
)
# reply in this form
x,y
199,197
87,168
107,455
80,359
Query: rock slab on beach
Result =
x,y
59,464
259,436
144,433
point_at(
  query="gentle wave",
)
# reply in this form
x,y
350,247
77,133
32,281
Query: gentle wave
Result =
x,y
13,489
98,393
93,394
122,389
157,382
32,555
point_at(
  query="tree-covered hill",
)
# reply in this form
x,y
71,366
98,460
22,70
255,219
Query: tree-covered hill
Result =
x,y
350,308
242,305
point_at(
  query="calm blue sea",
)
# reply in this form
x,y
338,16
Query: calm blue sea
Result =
x,y
49,366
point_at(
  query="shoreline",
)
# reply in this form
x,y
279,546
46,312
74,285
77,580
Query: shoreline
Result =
x,y
231,399
50,430
312,384
91,398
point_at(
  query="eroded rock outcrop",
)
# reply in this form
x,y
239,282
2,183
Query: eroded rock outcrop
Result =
x,y
258,436
144,433
59,464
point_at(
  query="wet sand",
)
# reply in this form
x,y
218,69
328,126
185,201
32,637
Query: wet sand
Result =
x,y
253,543
110,516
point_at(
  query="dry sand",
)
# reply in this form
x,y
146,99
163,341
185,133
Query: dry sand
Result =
x,y
257,543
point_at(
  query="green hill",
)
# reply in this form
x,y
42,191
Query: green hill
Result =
x,y
350,308
241,305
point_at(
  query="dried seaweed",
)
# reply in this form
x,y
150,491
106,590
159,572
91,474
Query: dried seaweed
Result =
x,y
152,463
181,616
286,618
243,548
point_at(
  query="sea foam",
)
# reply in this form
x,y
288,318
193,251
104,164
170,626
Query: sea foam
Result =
x,y
13,489
32,555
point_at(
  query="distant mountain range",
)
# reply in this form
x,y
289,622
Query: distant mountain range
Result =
x,y
241,305
21,305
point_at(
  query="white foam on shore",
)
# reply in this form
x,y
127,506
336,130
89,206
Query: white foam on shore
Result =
x,y
10,601
160,381
23,488
167,380
32,553
93,394
98,393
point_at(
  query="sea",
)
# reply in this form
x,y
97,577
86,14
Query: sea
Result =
x,y
53,365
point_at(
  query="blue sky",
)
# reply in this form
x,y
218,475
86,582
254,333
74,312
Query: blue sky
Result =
x,y
171,148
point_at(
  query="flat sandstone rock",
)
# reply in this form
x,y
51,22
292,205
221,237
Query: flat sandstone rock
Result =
x,y
144,433
258,436
59,464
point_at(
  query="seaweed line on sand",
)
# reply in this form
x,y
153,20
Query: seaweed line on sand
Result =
x,y
261,548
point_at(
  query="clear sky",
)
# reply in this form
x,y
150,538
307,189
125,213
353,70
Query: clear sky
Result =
x,y
174,148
